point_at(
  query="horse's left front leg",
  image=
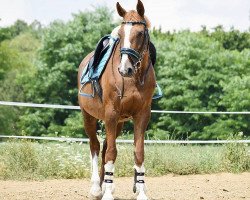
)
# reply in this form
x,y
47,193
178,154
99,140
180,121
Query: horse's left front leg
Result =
x,y
140,125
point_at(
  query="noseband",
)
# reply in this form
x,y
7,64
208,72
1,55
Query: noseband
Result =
x,y
136,55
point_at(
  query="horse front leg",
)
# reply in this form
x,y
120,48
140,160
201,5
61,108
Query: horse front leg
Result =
x,y
111,121
104,148
140,125
90,125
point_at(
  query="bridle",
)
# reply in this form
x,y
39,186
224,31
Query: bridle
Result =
x,y
138,56
134,54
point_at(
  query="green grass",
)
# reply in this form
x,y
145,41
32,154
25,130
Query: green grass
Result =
x,y
31,160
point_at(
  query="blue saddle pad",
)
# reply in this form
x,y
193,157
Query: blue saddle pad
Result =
x,y
94,73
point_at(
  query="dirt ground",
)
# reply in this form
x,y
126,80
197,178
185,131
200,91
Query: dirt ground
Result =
x,y
191,187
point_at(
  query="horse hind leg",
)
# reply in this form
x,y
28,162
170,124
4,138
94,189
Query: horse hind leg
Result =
x,y
90,125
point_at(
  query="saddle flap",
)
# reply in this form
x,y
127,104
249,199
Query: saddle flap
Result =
x,y
100,50
96,66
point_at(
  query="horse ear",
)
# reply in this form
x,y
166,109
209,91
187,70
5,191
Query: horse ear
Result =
x,y
140,8
121,11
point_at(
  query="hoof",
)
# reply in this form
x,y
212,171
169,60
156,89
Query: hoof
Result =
x,y
95,192
107,196
142,196
95,197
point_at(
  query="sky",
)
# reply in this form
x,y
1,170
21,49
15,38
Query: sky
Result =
x,y
167,14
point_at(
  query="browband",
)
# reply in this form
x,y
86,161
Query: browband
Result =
x,y
135,22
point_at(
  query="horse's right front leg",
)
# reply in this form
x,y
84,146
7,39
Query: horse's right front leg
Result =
x,y
90,125
118,131
111,121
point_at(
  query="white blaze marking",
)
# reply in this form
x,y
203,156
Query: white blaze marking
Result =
x,y
125,61
127,29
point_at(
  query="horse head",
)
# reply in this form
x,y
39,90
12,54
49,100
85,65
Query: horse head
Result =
x,y
134,39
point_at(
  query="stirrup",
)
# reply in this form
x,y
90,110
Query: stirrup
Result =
x,y
159,92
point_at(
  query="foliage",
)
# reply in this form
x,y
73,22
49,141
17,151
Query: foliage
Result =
x,y
8,59
73,126
236,155
64,46
196,74
17,59
231,40
26,160
19,27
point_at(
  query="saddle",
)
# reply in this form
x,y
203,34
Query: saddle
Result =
x,y
100,50
97,63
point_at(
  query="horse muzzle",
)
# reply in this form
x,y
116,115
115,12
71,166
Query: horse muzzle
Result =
x,y
126,72
126,68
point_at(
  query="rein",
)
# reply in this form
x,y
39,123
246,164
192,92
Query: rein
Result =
x,y
120,92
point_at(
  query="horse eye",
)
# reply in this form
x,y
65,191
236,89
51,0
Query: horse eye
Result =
x,y
141,33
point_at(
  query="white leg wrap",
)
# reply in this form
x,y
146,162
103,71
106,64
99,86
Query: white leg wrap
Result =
x,y
95,190
108,185
140,185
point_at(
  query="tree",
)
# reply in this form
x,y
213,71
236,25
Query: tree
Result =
x,y
194,69
64,46
231,40
7,33
17,58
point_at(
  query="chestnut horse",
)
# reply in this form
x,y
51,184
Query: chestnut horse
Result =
x,y
128,84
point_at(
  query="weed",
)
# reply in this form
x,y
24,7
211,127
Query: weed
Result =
x,y
32,160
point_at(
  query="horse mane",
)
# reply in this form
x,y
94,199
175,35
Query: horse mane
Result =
x,y
133,15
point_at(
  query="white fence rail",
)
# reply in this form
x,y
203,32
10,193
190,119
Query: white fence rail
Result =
x,y
85,140
35,105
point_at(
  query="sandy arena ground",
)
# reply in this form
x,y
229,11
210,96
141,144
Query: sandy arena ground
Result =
x,y
191,187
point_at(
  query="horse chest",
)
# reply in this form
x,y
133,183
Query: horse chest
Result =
x,y
131,101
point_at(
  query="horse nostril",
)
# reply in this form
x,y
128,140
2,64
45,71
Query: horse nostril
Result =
x,y
130,71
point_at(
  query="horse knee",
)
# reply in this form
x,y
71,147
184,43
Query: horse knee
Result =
x,y
139,157
94,146
111,154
